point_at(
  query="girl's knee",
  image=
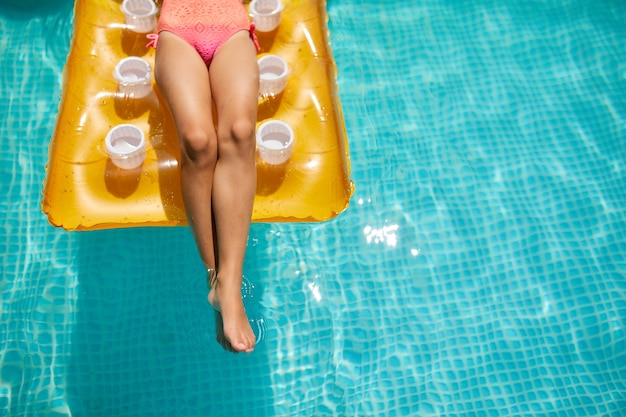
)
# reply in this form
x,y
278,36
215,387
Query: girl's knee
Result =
x,y
243,130
241,134
199,146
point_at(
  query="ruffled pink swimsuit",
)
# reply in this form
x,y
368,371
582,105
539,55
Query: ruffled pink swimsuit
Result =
x,y
203,24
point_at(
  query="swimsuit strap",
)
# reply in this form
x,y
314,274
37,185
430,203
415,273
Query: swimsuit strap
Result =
x,y
253,36
154,39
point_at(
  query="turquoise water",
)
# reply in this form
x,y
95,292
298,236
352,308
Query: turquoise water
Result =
x,y
480,269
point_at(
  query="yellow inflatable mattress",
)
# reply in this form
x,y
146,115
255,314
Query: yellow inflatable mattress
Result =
x,y
86,189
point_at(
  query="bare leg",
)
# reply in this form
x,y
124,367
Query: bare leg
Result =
x,y
217,168
183,79
234,82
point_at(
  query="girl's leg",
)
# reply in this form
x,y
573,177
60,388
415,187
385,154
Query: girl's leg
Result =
x,y
183,80
234,80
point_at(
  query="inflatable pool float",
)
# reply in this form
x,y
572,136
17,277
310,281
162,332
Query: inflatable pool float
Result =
x,y
87,187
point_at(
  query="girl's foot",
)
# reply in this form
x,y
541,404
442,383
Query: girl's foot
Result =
x,y
231,322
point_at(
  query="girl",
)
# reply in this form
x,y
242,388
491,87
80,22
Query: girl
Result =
x,y
206,53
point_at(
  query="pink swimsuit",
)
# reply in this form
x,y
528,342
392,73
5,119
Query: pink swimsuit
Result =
x,y
204,24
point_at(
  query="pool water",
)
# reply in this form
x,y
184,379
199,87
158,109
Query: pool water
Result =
x,y
480,269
